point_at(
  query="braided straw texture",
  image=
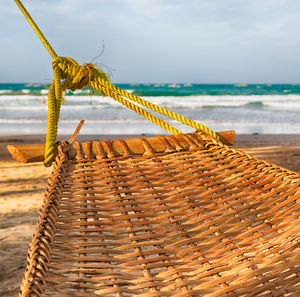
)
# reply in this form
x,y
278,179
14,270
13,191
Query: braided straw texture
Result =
x,y
170,216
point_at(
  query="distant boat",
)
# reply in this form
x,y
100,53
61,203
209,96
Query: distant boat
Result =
x,y
34,85
241,85
174,86
187,85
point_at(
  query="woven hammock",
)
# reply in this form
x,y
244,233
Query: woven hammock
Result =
x,y
177,215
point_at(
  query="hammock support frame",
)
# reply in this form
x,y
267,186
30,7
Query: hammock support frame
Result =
x,y
29,153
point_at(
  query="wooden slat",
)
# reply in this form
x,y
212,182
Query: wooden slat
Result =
x,y
28,153
227,137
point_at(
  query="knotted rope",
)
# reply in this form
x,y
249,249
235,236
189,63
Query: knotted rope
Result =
x,y
69,75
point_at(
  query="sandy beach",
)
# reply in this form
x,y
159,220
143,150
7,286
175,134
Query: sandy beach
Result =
x,y
22,188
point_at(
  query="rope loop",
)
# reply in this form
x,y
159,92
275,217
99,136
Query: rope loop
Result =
x,y
75,76
67,75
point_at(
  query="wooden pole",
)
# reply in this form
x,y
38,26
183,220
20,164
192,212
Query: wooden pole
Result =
x,y
28,153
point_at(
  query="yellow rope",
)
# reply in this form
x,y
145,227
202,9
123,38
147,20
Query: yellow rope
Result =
x,y
36,29
159,109
69,75
137,109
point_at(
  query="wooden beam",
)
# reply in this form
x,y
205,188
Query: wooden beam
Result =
x,y
28,153
227,137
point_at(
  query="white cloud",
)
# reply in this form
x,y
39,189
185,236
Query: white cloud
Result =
x,y
200,36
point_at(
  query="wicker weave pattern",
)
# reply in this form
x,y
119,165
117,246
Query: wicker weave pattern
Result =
x,y
195,218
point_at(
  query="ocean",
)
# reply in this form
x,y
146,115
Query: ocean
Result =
x,y
247,109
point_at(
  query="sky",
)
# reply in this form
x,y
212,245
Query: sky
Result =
x,y
149,41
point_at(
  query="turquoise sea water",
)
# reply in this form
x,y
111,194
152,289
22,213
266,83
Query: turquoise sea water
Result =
x,y
170,89
255,108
